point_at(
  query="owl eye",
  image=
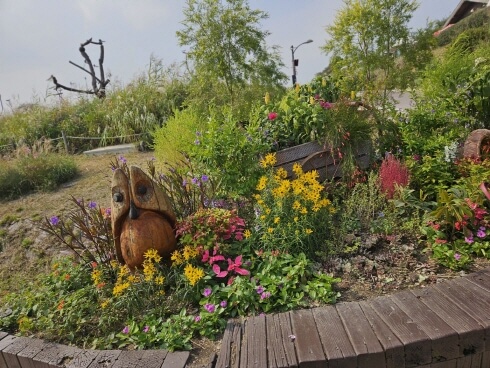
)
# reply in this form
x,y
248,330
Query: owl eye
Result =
x,y
118,197
141,189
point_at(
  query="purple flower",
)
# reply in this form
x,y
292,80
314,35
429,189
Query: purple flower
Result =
x,y
197,142
207,292
223,304
91,205
122,159
204,178
108,211
259,289
195,181
197,318
184,183
265,295
457,256
125,330
198,133
54,220
469,239
146,329
209,307
481,232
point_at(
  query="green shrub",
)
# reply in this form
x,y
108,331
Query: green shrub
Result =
x,y
44,172
478,19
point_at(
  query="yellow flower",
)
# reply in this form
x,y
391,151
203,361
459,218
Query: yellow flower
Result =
x,y
270,230
176,258
276,220
96,276
262,217
159,280
303,210
268,211
132,279
267,98
308,231
193,274
268,160
104,304
247,234
296,205
296,219
281,173
152,254
312,100
189,252
148,270
297,169
120,288
262,183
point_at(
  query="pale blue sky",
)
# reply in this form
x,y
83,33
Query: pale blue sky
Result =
x,y
39,37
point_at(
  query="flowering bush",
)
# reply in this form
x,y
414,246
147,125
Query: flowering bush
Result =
x,y
291,215
392,173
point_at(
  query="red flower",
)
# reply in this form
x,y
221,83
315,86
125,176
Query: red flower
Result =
x,y
272,115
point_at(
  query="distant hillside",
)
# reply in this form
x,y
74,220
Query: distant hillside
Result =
x,y
480,19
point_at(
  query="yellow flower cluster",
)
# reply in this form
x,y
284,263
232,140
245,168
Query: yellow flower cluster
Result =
x,y
269,160
122,283
185,255
193,274
96,276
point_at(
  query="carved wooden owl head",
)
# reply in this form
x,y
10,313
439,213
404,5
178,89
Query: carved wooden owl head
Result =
x,y
142,217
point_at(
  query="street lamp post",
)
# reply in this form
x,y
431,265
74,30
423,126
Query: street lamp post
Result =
x,y
295,61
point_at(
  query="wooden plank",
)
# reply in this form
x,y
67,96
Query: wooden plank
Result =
x,y
83,359
477,291
229,351
394,349
336,344
480,278
176,359
257,342
54,355
105,359
416,342
476,360
470,303
370,353
129,359
308,345
3,334
26,356
485,360
244,345
279,341
296,153
451,364
11,351
445,340
464,362
289,345
471,334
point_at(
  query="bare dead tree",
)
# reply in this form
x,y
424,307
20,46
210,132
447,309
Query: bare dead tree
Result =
x,y
98,83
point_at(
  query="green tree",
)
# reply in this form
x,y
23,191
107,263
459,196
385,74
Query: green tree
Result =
x,y
227,54
366,40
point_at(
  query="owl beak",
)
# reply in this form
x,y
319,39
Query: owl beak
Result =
x,y
133,211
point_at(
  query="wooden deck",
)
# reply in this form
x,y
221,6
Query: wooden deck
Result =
x,y
442,326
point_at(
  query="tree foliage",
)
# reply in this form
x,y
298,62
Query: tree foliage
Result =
x,y
227,53
366,39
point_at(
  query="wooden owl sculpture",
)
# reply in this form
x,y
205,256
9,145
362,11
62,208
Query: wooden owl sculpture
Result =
x,y
142,217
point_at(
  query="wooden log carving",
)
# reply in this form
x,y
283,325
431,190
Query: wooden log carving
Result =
x,y
475,142
142,217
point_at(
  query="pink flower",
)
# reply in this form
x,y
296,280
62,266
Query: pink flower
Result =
x,y
207,292
272,115
209,307
211,259
125,330
457,256
197,318
146,329
235,266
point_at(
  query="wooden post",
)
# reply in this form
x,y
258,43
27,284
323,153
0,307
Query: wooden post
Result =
x,y
65,141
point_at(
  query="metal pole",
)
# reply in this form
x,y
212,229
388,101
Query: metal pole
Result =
x,y
293,49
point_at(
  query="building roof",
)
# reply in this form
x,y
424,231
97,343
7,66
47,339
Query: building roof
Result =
x,y
465,8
